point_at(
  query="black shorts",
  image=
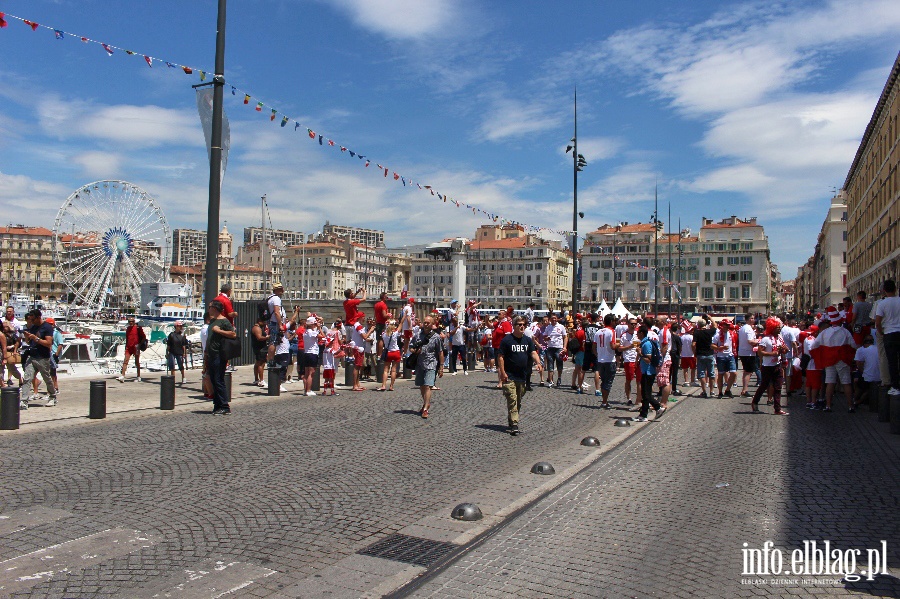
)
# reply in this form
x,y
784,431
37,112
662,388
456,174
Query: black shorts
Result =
x,y
589,359
749,363
309,360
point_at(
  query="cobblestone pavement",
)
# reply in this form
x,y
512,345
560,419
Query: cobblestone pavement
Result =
x,y
285,486
649,520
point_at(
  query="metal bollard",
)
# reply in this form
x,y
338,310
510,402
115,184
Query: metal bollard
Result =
x,y
470,359
228,386
274,381
9,409
349,367
873,396
895,414
97,409
316,380
379,371
167,392
407,373
884,405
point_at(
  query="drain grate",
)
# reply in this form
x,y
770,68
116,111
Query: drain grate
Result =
x,y
410,550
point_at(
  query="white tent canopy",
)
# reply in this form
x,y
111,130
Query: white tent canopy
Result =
x,y
620,310
603,309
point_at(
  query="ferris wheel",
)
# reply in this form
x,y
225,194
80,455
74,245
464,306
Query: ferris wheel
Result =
x,y
108,238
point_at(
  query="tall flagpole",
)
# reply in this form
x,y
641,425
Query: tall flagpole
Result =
x,y
669,240
656,250
211,275
575,213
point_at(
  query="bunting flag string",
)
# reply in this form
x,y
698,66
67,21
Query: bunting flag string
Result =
x,y
406,181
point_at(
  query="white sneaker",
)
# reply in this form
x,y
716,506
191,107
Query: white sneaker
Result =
x,y
51,402
585,386
310,393
288,382
120,378
261,384
282,389
466,372
138,380
894,391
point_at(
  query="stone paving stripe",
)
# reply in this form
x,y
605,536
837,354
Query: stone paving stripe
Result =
x,y
206,581
27,571
19,520
411,550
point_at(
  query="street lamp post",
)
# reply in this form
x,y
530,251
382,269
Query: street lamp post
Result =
x,y
578,164
211,284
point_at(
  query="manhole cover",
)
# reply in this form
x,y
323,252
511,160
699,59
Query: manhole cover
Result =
x,y
410,550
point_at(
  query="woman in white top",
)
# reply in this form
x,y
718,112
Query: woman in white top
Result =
x,y
555,336
310,354
391,340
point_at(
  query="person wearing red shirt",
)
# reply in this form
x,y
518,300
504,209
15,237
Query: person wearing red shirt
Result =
x,y
134,337
351,303
382,316
503,327
578,356
225,298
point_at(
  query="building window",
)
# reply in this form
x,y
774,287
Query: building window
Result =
x,y
720,292
707,293
732,293
706,261
745,292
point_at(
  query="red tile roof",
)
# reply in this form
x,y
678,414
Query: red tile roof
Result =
x,y
20,230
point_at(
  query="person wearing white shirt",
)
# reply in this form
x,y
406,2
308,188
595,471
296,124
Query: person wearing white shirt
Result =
x,y
688,360
605,347
887,323
555,336
790,334
747,343
629,343
723,344
867,364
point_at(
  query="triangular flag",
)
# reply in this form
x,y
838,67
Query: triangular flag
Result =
x,y
312,134
296,126
3,22
108,49
259,107
85,40
404,181
352,153
59,34
320,140
284,121
343,149
396,177
368,163
187,70
170,65
202,76
233,91
272,118
330,143
32,24
246,98
149,60
129,52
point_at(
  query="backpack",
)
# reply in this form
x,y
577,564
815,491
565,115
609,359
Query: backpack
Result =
x,y
262,309
573,346
655,356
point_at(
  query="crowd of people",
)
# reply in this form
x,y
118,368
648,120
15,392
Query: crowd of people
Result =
x,y
851,347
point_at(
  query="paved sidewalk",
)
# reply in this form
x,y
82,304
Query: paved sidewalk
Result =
x,y
280,499
654,520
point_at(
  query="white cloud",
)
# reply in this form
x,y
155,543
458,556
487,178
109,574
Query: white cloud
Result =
x,y
134,126
744,178
597,148
99,165
507,117
401,19
29,201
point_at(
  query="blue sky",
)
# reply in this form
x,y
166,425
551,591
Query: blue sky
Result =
x,y
753,109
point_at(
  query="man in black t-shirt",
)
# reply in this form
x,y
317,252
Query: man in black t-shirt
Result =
x,y
513,367
706,361
39,336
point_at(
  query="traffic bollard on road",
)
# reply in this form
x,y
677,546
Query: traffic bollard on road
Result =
x,y
316,380
349,367
9,409
884,404
167,392
895,414
274,381
873,397
97,409
379,371
228,386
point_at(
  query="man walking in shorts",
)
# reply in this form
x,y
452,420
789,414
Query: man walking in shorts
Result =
x,y
605,347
